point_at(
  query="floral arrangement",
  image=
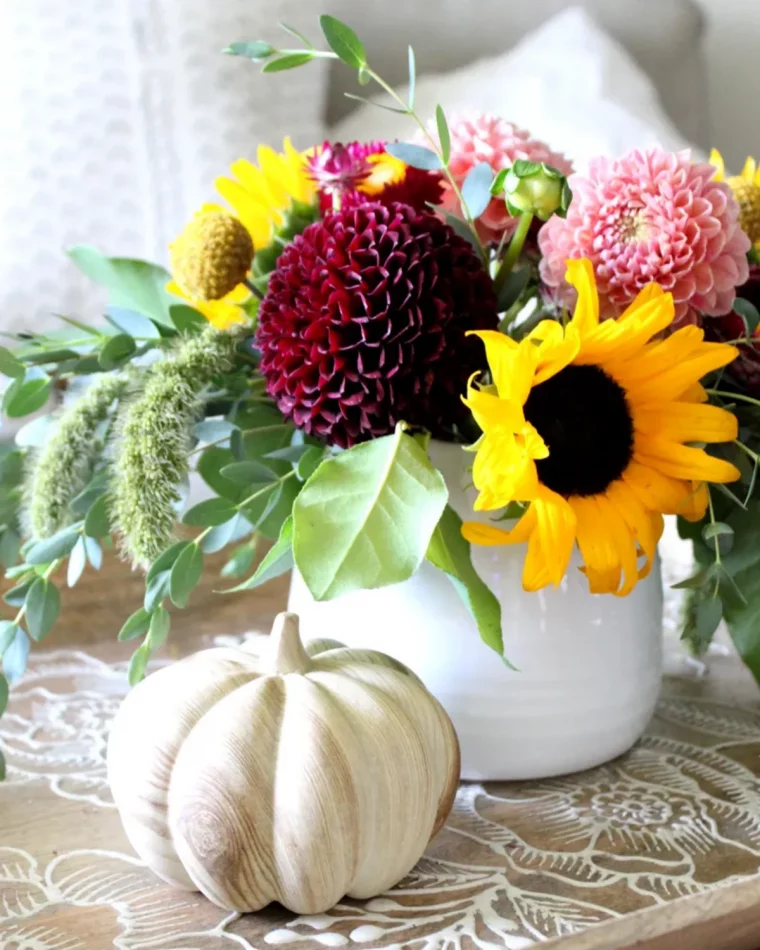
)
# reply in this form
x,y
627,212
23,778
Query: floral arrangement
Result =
x,y
591,339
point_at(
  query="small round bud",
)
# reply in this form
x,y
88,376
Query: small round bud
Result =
x,y
533,188
211,256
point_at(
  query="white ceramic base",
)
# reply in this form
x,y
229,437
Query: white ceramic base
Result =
x,y
589,666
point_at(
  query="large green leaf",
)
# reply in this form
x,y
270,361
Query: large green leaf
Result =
x,y
131,284
365,518
450,553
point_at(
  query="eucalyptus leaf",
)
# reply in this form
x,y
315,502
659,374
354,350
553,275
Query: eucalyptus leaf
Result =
x,y
412,77
94,552
213,430
57,546
343,41
378,504
166,559
294,32
16,596
136,625
220,536
241,561
415,155
43,604
460,226
77,562
10,544
8,631
10,365
134,324
210,465
248,473
255,50
186,319
309,462
96,522
185,574
131,284
28,394
289,61
156,589
277,560
450,553
724,534
158,630
3,694
707,616
137,664
291,453
476,189
117,351
211,512
15,656
444,136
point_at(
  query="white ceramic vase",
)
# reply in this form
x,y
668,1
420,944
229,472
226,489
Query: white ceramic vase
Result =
x,y
588,667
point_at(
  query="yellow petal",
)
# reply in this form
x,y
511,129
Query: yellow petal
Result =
x,y
644,296
716,160
489,411
580,274
687,422
558,347
684,462
601,560
555,524
487,535
748,172
696,502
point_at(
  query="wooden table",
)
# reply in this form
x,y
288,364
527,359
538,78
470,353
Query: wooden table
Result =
x,y
660,849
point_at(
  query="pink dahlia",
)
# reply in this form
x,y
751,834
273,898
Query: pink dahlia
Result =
x,y
650,216
487,138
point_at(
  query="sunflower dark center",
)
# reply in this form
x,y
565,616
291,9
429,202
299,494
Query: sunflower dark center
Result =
x,y
582,415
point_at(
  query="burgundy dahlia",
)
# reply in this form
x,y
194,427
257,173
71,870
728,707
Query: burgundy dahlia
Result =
x,y
746,367
364,324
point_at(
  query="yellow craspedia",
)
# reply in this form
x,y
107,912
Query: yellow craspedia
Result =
x,y
211,256
746,189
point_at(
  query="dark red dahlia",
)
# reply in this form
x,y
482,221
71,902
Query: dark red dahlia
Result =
x,y
364,324
746,367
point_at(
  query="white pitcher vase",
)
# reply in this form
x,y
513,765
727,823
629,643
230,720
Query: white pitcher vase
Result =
x,y
588,667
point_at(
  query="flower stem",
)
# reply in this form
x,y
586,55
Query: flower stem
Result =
x,y
730,396
514,250
716,541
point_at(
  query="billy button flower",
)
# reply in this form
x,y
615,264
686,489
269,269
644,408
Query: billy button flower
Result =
x,y
746,189
210,261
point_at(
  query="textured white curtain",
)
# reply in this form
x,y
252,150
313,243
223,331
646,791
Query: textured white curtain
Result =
x,y
117,115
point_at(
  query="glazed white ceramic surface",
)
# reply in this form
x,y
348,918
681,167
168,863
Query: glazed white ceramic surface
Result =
x,y
588,667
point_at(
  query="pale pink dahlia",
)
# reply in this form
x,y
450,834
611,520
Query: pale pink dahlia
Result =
x,y
487,138
650,216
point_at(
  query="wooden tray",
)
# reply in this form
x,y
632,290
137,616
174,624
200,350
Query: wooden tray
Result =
x,y
659,849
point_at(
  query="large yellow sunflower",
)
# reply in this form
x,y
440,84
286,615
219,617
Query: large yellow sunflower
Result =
x,y
260,195
746,189
592,426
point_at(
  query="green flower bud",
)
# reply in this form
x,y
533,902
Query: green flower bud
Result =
x,y
533,188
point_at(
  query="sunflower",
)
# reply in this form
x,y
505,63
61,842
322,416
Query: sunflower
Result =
x,y
746,189
592,427
211,256
262,195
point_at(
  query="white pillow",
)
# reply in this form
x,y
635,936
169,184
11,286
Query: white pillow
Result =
x,y
568,82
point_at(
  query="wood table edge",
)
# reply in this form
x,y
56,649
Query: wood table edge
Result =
x,y
726,918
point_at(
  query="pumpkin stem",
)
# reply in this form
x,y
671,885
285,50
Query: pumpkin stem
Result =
x,y
285,652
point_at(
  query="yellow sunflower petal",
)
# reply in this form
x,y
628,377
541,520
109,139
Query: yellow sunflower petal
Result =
x,y
613,343
683,461
687,422
601,560
646,526
489,411
716,160
487,535
512,365
555,530
680,377
696,502
580,274
557,348
644,296
220,313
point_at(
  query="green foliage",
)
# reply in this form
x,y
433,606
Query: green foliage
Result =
x,y
415,155
185,574
277,560
343,42
43,604
450,553
257,51
136,625
9,365
476,189
131,284
378,504
289,61
56,546
155,438
117,351
15,655
27,393
64,466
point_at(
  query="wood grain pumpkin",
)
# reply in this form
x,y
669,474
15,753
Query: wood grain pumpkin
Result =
x,y
299,777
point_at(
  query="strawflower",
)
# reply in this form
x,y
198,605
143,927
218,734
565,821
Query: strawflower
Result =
x,y
592,428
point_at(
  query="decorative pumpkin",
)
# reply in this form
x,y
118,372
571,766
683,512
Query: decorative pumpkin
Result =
x,y
298,777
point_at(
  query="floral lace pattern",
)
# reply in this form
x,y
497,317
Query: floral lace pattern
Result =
x,y
517,863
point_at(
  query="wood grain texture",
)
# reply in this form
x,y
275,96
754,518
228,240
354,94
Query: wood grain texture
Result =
x,y
658,850
293,777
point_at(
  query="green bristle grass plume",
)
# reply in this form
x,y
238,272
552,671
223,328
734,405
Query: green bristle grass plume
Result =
x,y
154,440
62,469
